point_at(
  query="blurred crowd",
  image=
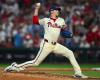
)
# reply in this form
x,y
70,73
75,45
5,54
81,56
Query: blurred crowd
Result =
x,y
81,16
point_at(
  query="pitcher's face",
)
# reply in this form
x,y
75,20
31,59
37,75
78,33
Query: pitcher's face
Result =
x,y
54,13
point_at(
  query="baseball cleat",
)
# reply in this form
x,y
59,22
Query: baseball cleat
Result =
x,y
13,67
80,76
96,69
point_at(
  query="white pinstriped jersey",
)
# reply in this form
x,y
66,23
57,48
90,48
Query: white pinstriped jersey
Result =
x,y
52,28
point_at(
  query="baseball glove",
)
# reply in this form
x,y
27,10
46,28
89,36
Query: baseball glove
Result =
x,y
66,34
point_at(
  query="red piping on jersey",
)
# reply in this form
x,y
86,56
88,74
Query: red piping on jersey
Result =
x,y
54,19
35,20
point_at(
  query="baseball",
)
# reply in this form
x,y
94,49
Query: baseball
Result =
x,y
38,4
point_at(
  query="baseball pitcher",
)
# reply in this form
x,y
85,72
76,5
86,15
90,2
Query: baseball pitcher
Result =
x,y
52,27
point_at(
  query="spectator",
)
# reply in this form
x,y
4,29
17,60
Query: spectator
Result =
x,y
76,40
98,37
18,38
2,37
88,9
8,43
92,35
80,15
84,43
28,41
27,3
7,27
36,39
11,7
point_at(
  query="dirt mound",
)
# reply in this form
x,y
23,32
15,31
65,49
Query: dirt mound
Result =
x,y
36,74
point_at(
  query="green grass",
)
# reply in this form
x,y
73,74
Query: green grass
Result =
x,y
68,65
4,65
88,73
45,65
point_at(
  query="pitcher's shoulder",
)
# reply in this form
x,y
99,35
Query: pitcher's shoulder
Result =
x,y
61,19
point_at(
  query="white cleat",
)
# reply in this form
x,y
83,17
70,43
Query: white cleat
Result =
x,y
13,67
96,69
80,76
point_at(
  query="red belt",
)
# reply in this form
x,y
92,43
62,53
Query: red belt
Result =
x,y
54,43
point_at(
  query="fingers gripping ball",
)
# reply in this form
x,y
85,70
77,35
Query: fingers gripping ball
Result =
x,y
38,5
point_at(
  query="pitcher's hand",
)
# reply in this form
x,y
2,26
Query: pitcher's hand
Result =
x,y
38,5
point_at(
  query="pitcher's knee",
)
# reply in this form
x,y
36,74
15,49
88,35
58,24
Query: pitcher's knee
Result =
x,y
71,54
68,53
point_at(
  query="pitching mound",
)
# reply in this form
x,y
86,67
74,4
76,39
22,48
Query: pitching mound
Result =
x,y
37,74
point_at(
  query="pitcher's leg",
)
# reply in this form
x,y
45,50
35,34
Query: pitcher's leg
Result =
x,y
59,49
43,52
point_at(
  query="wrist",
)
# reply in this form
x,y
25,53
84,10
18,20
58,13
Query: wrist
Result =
x,y
36,12
37,8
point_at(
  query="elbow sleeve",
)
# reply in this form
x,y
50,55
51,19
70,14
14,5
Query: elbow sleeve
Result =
x,y
35,20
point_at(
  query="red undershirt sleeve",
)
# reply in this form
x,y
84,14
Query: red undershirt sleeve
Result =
x,y
35,20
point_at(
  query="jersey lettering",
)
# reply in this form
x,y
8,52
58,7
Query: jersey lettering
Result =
x,y
53,25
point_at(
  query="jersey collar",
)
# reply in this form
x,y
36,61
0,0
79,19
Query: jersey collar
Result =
x,y
54,19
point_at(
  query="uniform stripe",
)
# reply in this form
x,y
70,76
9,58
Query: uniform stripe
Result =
x,y
37,56
40,52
